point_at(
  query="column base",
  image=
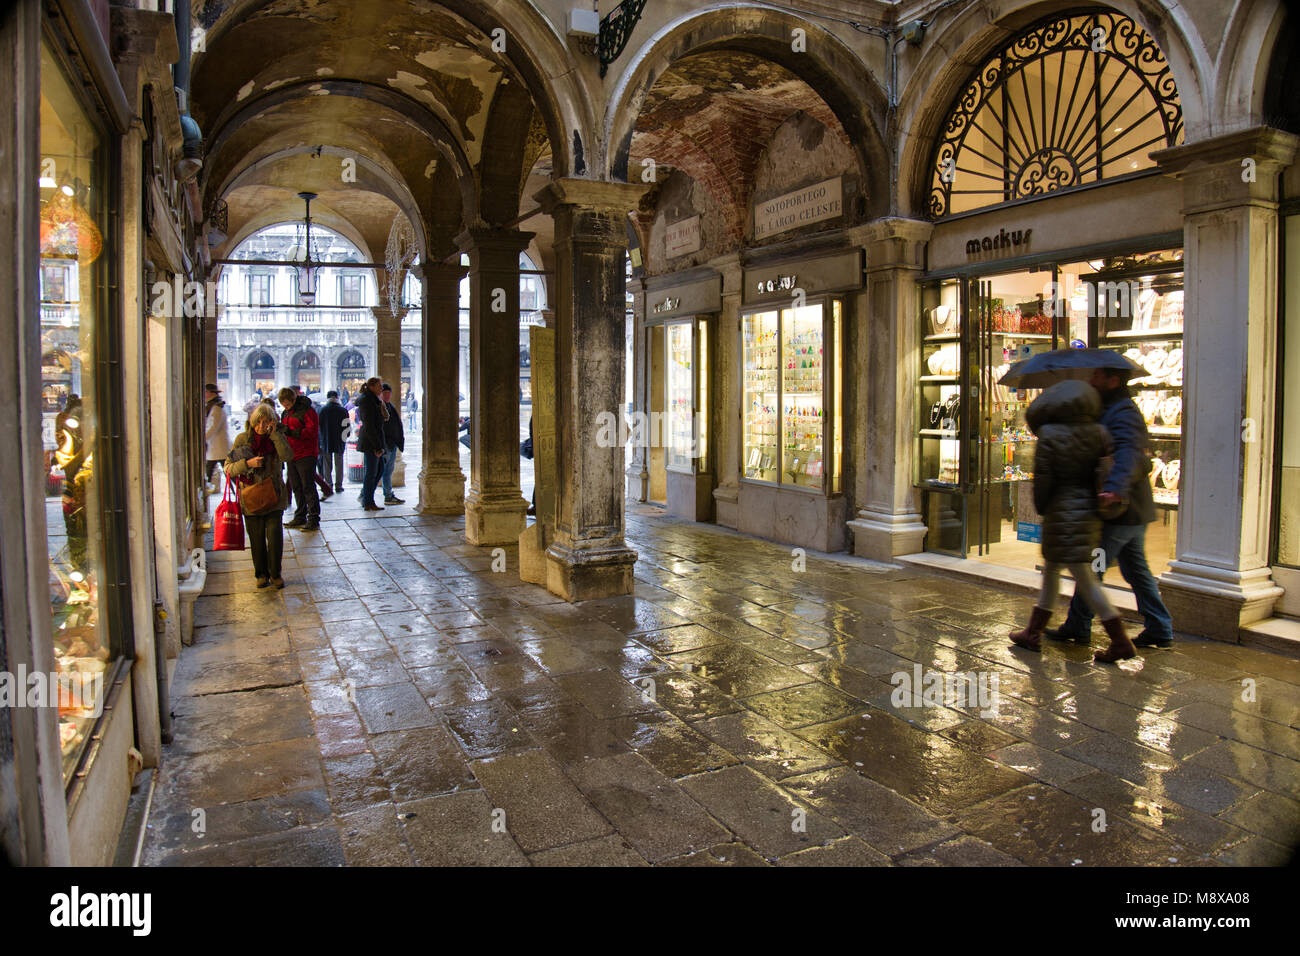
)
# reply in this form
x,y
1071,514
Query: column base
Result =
x,y
587,574
498,519
442,490
1216,603
638,482
532,554
883,537
726,505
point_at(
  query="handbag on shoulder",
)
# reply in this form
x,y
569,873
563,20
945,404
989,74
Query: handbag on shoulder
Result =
x,y
260,497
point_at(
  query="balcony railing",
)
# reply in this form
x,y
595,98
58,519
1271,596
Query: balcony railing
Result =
x,y
326,316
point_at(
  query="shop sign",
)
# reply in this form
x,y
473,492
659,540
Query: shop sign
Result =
x,y
692,298
682,238
803,207
1003,242
811,276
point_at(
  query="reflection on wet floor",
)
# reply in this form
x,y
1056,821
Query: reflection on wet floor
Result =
x,y
400,703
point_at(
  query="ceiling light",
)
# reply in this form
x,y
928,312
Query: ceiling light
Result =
x,y
67,189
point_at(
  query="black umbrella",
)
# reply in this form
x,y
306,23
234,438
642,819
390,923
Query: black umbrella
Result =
x,y
1048,368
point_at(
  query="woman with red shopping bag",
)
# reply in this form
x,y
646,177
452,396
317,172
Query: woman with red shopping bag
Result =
x,y
257,460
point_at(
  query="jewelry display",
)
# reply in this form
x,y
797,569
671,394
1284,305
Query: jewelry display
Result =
x,y
943,320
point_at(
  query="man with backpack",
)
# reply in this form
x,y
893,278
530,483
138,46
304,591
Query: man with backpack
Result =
x,y
302,428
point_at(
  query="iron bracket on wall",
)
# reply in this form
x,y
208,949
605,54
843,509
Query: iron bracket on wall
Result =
x,y
616,29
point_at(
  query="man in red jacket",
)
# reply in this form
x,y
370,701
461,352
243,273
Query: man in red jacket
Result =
x,y
302,428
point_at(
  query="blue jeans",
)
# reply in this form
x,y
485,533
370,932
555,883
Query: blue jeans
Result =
x,y
1126,544
374,467
390,459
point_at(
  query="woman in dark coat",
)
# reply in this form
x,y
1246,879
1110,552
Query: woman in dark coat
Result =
x,y
260,452
1070,443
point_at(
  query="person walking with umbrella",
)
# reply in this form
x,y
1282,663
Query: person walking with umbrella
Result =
x,y
1070,445
1127,507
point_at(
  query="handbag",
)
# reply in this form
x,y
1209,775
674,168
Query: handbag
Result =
x,y
260,497
228,522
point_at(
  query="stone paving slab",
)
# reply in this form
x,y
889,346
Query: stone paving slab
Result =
x,y
400,703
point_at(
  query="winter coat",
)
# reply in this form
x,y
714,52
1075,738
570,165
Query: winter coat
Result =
x,y
302,428
370,412
394,435
1129,477
334,427
272,464
216,431
1070,443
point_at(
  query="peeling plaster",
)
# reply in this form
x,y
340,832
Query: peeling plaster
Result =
x,y
246,90
431,168
324,71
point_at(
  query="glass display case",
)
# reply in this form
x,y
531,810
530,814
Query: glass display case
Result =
x,y
791,390
1138,310
686,395
973,444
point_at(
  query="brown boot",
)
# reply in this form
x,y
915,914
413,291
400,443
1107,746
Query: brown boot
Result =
x,y
1032,636
1121,648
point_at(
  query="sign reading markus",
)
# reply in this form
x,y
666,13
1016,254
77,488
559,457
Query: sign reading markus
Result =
x,y
802,207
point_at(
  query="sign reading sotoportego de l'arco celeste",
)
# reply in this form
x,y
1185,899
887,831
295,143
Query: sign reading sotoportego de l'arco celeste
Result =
x,y
815,203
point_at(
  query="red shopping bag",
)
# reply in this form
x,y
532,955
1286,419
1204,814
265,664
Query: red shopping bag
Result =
x,y
228,523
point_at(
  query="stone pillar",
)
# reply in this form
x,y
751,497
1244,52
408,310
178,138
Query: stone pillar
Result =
x,y
589,558
495,507
724,382
388,346
638,470
1221,579
442,483
882,369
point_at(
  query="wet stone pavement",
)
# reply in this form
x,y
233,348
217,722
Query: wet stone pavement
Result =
x,y
401,703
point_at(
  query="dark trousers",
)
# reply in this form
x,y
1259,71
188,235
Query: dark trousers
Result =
x,y
370,479
302,479
332,461
1125,545
266,541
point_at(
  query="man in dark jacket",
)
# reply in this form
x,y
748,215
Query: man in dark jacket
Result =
x,y
373,413
394,441
1123,537
302,429
334,426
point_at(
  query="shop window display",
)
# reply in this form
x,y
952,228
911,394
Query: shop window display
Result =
x,y
71,244
792,380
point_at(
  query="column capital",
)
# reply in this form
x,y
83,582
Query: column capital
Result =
x,y
477,238
893,242
593,194
732,271
1230,170
434,272
387,316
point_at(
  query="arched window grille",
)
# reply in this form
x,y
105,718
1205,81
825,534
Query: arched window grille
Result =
x,y
1075,99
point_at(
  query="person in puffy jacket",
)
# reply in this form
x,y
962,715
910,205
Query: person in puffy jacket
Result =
x,y
1070,444
372,414
258,453
1123,535
302,428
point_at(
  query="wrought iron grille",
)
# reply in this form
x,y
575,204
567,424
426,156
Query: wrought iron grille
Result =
x,y
1075,99
616,29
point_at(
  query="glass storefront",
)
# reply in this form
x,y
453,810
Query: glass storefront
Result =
x,y
790,399
73,219
975,451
